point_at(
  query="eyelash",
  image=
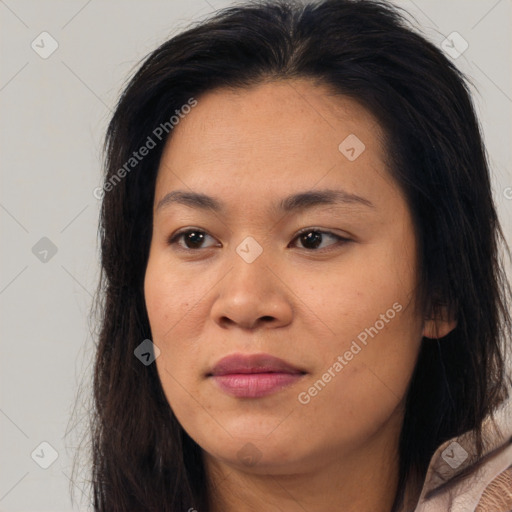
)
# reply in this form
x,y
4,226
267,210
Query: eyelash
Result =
x,y
173,239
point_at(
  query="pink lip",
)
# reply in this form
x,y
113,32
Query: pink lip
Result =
x,y
254,376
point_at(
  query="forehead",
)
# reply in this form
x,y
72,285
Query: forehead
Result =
x,y
276,114
275,136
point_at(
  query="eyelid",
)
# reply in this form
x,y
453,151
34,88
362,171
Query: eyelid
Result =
x,y
320,230
173,239
339,238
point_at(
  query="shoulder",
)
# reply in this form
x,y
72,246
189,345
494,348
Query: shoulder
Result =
x,y
458,481
497,496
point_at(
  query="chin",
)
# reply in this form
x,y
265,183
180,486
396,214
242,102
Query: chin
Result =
x,y
258,456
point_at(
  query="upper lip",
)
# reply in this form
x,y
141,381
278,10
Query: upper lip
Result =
x,y
252,363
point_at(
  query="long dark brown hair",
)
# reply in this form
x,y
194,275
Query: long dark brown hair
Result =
x,y
142,459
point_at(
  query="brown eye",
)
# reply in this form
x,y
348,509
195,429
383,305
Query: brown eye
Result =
x,y
311,239
192,239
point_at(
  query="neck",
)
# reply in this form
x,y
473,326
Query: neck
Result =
x,y
358,480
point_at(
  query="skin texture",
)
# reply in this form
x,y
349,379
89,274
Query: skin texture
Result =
x,y
249,149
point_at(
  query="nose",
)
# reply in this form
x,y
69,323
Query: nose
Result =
x,y
252,296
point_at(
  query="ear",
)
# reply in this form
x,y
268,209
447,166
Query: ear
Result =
x,y
439,326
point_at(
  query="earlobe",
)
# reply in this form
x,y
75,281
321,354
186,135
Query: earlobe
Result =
x,y
436,328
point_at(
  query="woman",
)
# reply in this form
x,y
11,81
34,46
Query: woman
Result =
x,y
304,308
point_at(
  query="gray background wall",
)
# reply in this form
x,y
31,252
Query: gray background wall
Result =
x,y
54,112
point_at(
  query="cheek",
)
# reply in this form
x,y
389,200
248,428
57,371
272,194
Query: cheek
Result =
x,y
169,305
373,327
169,298
169,317
353,294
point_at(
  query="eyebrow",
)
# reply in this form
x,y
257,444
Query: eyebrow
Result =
x,y
298,201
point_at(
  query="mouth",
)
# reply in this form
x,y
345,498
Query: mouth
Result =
x,y
254,376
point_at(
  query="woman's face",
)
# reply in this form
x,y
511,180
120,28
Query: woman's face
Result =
x,y
245,281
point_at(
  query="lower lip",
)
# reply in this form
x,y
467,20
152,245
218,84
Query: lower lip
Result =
x,y
255,385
